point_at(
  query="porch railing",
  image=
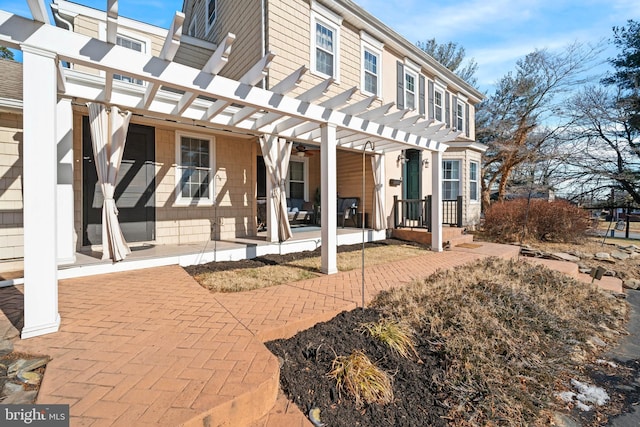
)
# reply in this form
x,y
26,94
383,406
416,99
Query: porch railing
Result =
x,y
416,213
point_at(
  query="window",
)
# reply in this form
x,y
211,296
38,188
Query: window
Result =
x,y
371,55
325,49
325,41
473,181
296,182
193,26
409,90
212,12
370,71
132,44
450,179
194,169
460,116
437,105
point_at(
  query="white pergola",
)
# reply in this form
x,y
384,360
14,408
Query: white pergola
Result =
x,y
199,96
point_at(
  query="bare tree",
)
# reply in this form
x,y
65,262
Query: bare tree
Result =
x,y
452,56
606,146
5,53
510,122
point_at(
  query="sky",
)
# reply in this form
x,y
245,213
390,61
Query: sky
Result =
x,y
496,33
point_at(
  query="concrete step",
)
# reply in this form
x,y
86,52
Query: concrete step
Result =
x,y
571,269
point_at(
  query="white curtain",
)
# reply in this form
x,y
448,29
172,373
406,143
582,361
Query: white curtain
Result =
x,y
378,204
108,135
276,153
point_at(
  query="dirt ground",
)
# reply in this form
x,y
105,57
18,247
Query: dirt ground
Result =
x,y
306,359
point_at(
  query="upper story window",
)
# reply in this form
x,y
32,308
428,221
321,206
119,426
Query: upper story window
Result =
x,y
193,26
325,41
438,104
371,55
473,181
132,44
459,116
450,179
371,72
194,169
409,90
212,12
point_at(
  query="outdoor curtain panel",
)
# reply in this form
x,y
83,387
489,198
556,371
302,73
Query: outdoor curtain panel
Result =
x,y
378,204
276,153
108,136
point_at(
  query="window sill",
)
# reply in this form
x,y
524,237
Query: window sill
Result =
x,y
184,203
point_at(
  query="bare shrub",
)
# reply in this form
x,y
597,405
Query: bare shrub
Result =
x,y
509,334
557,221
362,379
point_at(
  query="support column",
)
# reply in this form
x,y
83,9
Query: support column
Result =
x,y
329,203
436,201
66,232
40,180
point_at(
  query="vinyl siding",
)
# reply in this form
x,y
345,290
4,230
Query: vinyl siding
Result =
x,y
11,219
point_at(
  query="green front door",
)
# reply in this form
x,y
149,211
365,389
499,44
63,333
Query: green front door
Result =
x,y
412,182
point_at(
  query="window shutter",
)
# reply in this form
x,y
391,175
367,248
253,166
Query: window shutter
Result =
x,y
431,110
454,108
447,109
421,97
466,120
400,97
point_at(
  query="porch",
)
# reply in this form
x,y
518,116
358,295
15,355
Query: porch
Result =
x,y
148,255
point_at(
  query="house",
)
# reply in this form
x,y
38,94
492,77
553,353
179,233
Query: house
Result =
x,y
239,104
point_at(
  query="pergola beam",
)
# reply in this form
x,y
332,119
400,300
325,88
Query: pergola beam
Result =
x,y
38,11
112,21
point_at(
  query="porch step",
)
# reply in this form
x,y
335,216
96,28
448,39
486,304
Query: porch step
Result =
x,y
453,235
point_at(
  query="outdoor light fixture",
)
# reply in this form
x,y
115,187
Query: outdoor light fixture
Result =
x,y
402,159
425,163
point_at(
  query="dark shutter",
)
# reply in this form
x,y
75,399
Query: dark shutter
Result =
x,y
400,97
454,107
431,113
466,120
421,96
447,109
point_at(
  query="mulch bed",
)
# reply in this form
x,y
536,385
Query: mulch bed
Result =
x,y
306,359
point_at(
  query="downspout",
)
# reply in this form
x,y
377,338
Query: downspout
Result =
x,y
263,35
62,23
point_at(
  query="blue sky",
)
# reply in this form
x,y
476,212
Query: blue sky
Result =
x,y
494,32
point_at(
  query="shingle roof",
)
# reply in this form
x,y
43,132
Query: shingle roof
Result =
x,y
11,81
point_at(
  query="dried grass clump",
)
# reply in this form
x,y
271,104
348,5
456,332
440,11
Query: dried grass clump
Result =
x,y
397,335
507,331
362,379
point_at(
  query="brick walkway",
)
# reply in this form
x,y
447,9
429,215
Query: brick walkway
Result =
x,y
152,347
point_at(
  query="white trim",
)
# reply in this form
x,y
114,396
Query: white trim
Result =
x,y
185,201
330,24
209,25
326,13
458,180
408,63
368,43
11,104
192,31
443,104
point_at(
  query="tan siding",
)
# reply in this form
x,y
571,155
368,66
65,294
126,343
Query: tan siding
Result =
x,y
192,56
242,18
11,220
350,178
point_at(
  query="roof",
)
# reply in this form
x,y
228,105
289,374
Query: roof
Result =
x,y
11,81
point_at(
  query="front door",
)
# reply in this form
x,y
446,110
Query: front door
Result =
x,y
135,188
412,182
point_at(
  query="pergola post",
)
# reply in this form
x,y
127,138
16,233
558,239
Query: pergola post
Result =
x,y
40,179
328,196
66,232
272,218
436,201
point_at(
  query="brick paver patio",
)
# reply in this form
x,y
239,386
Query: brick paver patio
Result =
x,y
152,347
